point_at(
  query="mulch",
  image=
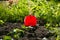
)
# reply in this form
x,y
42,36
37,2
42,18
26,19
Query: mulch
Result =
x,y
37,33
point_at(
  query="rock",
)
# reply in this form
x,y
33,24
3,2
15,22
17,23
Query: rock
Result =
x,y
44,38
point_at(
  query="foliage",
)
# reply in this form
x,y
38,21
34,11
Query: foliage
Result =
x,y
47,10
7,38
17,33
25,28
14,13
55,30
1,22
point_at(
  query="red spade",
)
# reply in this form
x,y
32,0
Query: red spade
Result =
x,y
30,21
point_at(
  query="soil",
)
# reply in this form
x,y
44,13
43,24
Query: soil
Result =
x,y
37,33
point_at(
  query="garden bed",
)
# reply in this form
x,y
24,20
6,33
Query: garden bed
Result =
x,y
37,33
45,27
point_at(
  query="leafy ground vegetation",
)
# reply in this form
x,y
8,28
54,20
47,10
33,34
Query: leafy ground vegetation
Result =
x,y
12,20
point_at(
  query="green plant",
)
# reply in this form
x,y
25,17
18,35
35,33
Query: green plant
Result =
x,y
47,10
1,22
7,38
17,33
14,13
25,28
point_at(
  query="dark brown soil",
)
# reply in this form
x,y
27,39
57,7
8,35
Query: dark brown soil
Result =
x,y
7,27
37,33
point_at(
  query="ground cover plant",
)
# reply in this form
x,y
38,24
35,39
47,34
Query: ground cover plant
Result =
x,y
47,13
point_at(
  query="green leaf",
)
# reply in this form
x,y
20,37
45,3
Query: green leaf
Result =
x,y
7,38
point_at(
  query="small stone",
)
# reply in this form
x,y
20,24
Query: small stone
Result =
x,y
0,39
44,38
